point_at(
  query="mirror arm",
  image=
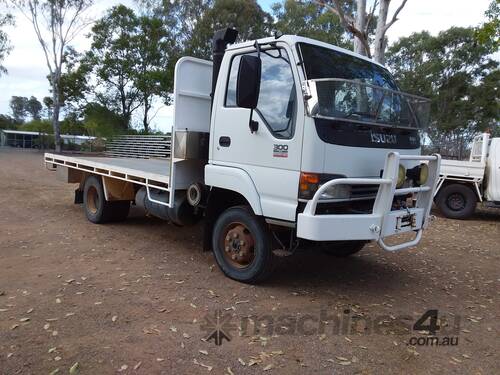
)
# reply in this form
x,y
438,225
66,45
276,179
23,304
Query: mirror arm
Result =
x,y
257,47
252,124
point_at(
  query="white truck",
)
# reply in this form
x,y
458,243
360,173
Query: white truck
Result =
x,y
275,141
462,184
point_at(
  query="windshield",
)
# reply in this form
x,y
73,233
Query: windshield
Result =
x,y
346,87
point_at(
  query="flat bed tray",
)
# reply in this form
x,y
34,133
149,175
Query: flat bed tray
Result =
x,y
129,169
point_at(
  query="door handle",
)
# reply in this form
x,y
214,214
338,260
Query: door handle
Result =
x,y
225,141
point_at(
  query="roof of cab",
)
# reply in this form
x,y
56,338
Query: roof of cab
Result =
x,y
294,39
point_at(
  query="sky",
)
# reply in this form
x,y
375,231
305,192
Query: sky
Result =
x,y
27,70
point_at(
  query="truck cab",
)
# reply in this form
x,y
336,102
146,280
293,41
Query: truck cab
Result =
x,y
316,151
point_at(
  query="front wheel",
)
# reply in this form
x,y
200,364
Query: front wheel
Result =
x,y
456,201
242,245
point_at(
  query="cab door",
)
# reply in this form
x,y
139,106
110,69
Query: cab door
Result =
x,y
272,154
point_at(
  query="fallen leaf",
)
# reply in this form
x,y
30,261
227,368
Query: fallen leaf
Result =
x,y
137,365
242,362
204,352
268,367
209,368
74,369
113,319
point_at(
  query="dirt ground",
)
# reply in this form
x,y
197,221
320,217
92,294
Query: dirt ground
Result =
x,y
141,297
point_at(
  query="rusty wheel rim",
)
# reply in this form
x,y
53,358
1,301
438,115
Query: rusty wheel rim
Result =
x,y
238,245
92,199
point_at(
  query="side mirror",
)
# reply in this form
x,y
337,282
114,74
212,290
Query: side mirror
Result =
x,y
248,83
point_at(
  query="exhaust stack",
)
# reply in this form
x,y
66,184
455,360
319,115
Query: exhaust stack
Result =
x,y
221,39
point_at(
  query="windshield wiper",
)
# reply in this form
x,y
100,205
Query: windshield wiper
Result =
x,y
360,114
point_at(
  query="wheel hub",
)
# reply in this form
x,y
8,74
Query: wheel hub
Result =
x,y
92,199
239,245
456,202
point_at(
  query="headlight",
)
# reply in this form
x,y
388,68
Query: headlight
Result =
x,y
423,175
337,192
401,176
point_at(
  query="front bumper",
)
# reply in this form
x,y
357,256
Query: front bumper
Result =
x,y
383,221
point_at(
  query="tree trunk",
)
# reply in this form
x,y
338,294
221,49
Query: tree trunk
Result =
x,y
360,25
379,43
145,119
56,111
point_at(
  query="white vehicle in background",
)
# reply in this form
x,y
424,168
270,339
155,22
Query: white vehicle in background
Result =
x,y
464,183
275,141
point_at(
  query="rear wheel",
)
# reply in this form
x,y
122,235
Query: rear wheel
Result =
x,y
342,248
97,209
242,245
456,201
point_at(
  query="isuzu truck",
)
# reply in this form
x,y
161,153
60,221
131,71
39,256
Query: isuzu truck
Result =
x,y
275,142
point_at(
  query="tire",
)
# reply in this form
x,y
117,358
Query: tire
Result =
x,y
456,201
97,209
342,249
242,245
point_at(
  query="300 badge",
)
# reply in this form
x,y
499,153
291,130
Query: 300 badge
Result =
x,y
280,151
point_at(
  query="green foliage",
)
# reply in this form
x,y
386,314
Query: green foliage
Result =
x,y
41,126
49,105
18,106
456,73
7,122
112,58
72,124
489,31
245,15
34,108
5,46
99,121
155,65
22,107
132,58
309,20
74,82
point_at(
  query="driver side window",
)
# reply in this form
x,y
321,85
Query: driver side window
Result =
x,y
277,98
